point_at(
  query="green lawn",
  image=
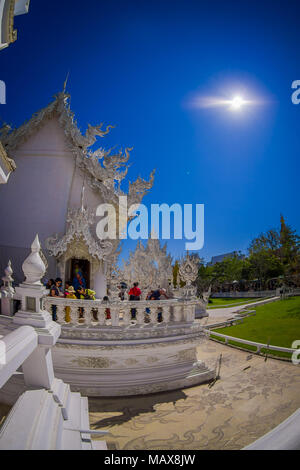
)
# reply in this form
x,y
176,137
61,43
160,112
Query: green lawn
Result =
x,y
227,301
276,323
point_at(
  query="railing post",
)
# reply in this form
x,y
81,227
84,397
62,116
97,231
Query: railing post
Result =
x,y
74,314
61,313
102,315
38,368
140,315
177,312
126,315
88,315
153,312
114,314
166,314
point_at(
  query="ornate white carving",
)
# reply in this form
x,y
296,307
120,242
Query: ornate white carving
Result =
x,y
206,295
7,289
79,222
188,271
150,266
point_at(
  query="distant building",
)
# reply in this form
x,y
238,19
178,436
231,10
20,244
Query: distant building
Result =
x,y
220,258
8,10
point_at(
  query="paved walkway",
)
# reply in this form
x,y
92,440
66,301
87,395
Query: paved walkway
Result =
x,y
250,399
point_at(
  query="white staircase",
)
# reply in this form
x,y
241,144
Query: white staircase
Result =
x,y
43,417
49,419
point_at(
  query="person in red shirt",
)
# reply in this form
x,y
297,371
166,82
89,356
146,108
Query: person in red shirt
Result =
x,y
134,294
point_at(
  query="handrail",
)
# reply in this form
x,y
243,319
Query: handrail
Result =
x,y
244,294
248,342
15,348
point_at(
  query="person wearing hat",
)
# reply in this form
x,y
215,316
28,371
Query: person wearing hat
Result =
x,y
70,293
67,285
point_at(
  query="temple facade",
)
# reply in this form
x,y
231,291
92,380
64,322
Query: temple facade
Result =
x,y
57,186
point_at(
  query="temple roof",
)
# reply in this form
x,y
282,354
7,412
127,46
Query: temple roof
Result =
x,y
105,170
59,107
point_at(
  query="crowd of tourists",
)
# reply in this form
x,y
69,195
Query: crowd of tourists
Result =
x,y
77,290
135,294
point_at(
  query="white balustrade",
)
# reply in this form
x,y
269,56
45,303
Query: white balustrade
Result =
x,y
121,313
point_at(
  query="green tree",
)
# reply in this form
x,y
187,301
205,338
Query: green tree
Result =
x,y
175,273
289,244
264,265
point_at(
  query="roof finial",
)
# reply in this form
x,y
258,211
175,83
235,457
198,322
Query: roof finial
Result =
x,y
65,82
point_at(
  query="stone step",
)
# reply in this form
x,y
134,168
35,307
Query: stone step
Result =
x,y
34,422
99,445
49,419
62,391
73,411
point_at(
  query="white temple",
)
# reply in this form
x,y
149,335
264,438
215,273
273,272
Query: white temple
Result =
x,y
45,195
138,348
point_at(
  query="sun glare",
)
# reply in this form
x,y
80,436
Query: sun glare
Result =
x,y
237,102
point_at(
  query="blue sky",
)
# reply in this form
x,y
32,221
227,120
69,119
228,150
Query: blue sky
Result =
x,y
135,64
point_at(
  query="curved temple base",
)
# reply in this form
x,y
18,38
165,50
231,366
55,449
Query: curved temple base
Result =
x,y
122,368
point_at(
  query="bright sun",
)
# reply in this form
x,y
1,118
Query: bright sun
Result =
x,y
237,102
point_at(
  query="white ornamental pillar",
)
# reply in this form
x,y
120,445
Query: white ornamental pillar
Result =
x,y
38,368
7,292
100,283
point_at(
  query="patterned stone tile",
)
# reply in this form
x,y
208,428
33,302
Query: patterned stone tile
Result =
x,y
242,406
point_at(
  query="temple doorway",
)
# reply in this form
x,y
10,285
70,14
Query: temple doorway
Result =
x,y
83,266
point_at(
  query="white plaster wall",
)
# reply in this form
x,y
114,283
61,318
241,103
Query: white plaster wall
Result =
x,y
100,283
35,199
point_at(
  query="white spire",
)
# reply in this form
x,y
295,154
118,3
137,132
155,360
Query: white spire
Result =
x,y
33,266
7,287
8,272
